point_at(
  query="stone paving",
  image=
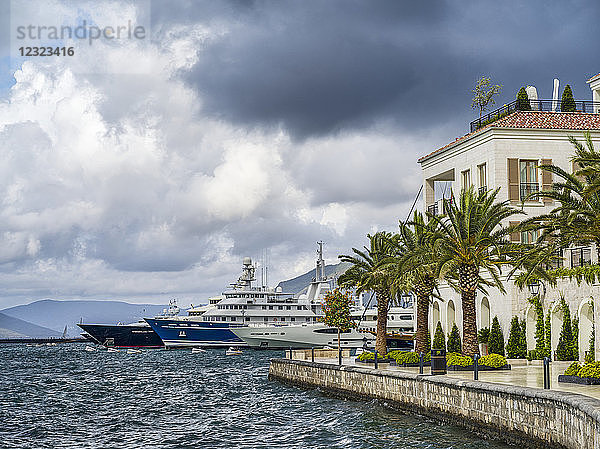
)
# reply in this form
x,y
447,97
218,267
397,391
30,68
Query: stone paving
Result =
x,y
521,374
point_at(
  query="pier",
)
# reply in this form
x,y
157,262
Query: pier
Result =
x,y
529,417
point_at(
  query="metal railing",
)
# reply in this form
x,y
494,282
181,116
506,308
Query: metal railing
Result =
x,y
587,106
433,209
527,188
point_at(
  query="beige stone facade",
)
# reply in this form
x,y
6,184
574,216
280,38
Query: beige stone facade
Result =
x,y
505,155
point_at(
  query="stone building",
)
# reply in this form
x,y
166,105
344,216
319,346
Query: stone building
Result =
x,y
503,150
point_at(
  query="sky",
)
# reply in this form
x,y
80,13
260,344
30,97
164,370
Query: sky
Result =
x,y
145,169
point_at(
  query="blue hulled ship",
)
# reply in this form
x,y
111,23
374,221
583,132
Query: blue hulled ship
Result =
x,y
242,304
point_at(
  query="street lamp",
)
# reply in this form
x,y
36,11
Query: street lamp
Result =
x,y
534,287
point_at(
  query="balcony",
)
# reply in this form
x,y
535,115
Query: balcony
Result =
x,y
588,107
527,188
440,206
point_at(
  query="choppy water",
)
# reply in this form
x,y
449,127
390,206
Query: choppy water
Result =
x,y
65,397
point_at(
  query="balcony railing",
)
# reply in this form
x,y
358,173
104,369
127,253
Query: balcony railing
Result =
x,y
527,188
440,206
587,106
581,257
433,209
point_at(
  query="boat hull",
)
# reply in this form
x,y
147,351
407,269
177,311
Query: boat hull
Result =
x,y
123,336
300,337
189,334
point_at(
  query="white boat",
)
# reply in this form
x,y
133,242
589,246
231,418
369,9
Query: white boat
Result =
x,y
301,336
113,350
134,351
233,351
197,350
90,349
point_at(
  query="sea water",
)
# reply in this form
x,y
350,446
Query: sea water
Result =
x,y
65,397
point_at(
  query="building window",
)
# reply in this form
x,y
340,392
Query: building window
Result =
x,y
482,175
581,257
529,236
466,179
528,173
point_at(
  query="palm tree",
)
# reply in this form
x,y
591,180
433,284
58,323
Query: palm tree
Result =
x,y
369,272
576,219
473,242
413,268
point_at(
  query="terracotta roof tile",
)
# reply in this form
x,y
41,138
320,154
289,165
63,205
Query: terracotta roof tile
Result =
x,y
534,120
594,77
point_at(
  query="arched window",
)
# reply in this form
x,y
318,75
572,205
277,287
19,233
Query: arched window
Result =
x,y
450,316
485,313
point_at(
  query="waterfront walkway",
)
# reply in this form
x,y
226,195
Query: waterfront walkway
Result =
x,y
520,375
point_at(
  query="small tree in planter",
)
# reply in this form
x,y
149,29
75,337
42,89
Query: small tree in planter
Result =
x,y
483,336
439,339
514,349
496,338
454,343
336,309
523,100
567,103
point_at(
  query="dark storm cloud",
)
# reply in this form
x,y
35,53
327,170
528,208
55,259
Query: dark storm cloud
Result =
x,y
322,67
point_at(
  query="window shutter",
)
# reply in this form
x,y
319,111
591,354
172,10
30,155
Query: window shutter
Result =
x,y
515,237
547,180
513,180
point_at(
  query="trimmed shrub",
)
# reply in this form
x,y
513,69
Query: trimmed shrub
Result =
x,y
523,100
407,357
514,349
591,355
496,338
590,370
428,342
493,361
573,369
575,343
454,358
548,338
523,341
540,344
454,343
567,103
439,339
564,349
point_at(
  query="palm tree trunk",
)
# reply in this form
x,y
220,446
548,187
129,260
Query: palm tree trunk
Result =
x,y
422,324
470,343
382,310
468,279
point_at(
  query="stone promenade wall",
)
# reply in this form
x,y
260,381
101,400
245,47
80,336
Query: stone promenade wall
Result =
x,y
528,417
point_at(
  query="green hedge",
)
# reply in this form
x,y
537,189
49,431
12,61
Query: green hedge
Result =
x,y
493,360
587,370
454,358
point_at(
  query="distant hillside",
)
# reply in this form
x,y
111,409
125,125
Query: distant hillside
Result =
x,y
15,328
56,314
300,284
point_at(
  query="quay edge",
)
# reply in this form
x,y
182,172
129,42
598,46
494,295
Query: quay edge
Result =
x,y
527,417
